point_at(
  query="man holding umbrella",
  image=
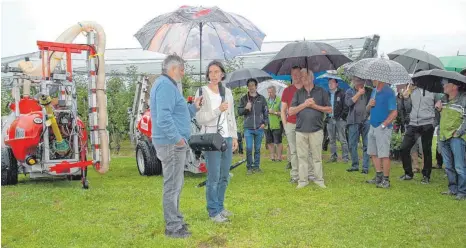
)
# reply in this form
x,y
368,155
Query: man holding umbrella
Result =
x,y
383,111
453,136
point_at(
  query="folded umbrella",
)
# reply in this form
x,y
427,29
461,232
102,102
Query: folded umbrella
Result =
x,y
414,59
432,80
316,56
240,77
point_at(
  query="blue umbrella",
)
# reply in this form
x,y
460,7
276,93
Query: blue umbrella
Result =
x,y
319,80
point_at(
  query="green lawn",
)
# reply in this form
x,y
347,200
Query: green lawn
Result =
x,y
123,209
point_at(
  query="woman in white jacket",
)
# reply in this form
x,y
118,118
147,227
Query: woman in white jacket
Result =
x,y
217,115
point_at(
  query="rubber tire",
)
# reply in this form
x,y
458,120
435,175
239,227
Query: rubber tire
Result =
x,y
9,167
152,165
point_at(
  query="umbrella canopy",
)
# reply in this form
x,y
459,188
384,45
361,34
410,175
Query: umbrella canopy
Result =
x,y
414,59
432,80
316,56
240,77
383,70
280,86
454,63
322,81
225,35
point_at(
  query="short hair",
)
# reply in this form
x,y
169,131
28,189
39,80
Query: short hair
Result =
x,y
309,73
217,63
252,80
329,79
170,61
272,87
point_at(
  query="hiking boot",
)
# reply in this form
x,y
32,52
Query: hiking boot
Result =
x,y
352,169
425,180
385,184
219,218
406,177
249,172
460,197
225,213
365,172
182,233
448,193
302,185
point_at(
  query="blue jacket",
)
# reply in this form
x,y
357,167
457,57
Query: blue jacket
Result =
x,y
171,114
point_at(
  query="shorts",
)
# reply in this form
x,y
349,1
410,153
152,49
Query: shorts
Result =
x,y
273,136
378,141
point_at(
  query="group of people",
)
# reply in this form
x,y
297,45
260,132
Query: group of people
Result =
x,y
303,112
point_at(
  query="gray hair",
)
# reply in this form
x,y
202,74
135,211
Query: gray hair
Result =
x,y
170,61
272,87
310,74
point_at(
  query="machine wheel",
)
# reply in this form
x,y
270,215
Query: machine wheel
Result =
x,y
147,162
9,167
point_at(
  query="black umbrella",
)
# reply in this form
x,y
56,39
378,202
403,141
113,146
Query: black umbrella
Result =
x,y
316,56
432,80
240,77
414,59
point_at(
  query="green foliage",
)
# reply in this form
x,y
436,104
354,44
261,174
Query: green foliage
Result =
x,y
397,139
343,76
6,97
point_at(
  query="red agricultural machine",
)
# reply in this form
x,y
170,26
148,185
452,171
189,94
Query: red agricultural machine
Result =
x,y
44,136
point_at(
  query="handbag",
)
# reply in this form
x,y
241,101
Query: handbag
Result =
x,y
209,141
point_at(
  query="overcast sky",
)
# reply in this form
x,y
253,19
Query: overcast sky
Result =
x,y
438,27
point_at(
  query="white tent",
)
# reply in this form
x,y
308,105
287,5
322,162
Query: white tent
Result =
x,y
279,86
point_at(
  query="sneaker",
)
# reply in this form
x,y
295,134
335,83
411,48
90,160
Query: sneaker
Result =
x,y
257,170
352,169
374,180
219,218
384,184
225,213
365,172
302,185
249,172
425,180
182,233
332,160
288,166
460,197
448,193
321,184
293,181
406,177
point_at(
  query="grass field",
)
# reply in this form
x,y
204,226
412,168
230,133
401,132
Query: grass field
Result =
x,y
123,209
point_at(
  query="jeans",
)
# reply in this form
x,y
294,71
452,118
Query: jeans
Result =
x,y
356,131
426,133
337,129
253,137
173,160
218,171
453,152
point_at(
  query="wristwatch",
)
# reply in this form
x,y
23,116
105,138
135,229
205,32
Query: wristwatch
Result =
x,y
383,126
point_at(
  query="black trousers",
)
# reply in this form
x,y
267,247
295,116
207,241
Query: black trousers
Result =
x,y
240,142
412,134
438,156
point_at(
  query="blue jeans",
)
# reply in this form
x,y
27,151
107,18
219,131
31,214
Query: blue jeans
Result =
x,y
218,170
356,131
253,137
453,153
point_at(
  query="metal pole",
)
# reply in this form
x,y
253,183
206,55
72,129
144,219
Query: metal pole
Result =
x,y
200,52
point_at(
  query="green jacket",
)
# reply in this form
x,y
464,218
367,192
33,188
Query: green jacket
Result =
x,y
274,119
453,118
